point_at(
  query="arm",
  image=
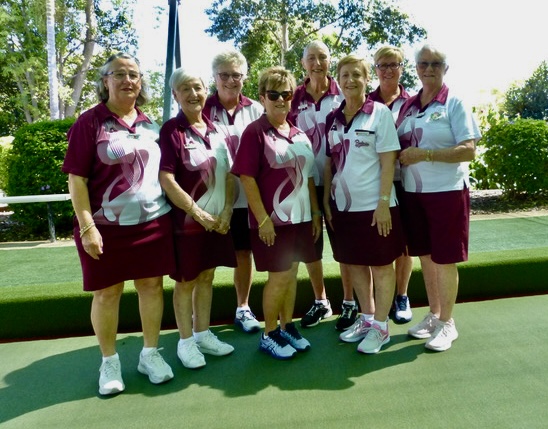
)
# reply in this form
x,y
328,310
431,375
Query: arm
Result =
x,y
226,214
315,208
463,152
327,180
381,216
266,226
91,238
185,202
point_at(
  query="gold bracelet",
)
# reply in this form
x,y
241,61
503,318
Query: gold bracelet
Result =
x,y
264,220
429,155
86,228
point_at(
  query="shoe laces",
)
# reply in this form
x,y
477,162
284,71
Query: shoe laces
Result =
x,y
245,315
347,311
155,358
315,308
375,332
277,338
291,330
111,368
401,303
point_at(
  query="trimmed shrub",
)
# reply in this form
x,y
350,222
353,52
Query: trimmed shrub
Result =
x,y
517,157
34,168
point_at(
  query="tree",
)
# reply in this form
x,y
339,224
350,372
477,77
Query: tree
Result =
x,y
286,26
81,27
531,99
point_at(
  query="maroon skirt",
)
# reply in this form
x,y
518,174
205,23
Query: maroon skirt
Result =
x,y
129,253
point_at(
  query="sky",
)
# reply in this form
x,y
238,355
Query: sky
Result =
x,y
490,44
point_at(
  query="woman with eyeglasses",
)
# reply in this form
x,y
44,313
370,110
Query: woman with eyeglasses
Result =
x,y
230,110
122,228
438,136
194,172
389,63
313,100
275,164
360,201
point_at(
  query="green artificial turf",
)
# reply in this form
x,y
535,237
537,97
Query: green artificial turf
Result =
x,y
494,376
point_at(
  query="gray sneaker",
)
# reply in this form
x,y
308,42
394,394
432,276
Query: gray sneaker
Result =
x,y
211,345
154,365
110,377
425,327
356,332
294,338
276,345
246,321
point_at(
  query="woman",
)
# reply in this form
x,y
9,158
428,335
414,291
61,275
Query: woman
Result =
x,y
389,67
194,172
122,227
313,100
275,165
438,138
360,203
231,111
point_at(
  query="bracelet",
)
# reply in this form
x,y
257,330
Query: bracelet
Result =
x,y
86,228
384,198
264,220
316,213
429,155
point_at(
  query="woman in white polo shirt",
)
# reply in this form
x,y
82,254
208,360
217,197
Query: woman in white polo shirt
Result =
x,y
438,138
360,202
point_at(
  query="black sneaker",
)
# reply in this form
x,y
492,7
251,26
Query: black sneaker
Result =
x,y
347,318
315,314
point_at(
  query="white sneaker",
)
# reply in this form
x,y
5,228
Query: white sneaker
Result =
x,y
189,354
211,345
154,365
425,327
356,332
443,336
374,340
246,321
110,377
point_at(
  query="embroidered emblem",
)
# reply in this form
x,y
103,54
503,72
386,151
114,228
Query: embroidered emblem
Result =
x,y
358,143
435,116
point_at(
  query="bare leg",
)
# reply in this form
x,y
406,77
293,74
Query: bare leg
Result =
x,y
243,277
429,272
288,306
201,300
384,279
151,308
360,279
448,285
104,317
275,294
315,273
404,267
348,290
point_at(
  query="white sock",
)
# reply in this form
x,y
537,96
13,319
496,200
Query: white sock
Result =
x,y
382,325
147,350
322,301
115,356
199,336
368,317
243,308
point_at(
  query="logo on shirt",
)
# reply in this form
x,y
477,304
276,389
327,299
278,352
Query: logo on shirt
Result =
x,y
360,143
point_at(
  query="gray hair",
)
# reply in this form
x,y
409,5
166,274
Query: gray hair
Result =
x,y
181,76
101,90
433,50
316,44
229,57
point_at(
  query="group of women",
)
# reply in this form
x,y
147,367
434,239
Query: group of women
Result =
x,y
243,178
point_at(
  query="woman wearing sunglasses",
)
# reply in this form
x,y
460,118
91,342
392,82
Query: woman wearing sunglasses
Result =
x,y
230,110
275,164
360,202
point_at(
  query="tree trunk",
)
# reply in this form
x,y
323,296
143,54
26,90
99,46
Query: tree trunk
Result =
x,y
52,63
89,45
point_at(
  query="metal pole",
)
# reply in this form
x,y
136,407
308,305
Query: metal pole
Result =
x,y
51,224
172,45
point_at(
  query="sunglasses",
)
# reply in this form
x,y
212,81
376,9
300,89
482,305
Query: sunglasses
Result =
x,y
235,76
274,95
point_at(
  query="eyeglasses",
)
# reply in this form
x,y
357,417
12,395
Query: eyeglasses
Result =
x,y
274,95
423,65
391,66
235,76
120,75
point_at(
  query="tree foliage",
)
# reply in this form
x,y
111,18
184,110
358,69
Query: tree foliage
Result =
x,y
282,28
83,29
531,99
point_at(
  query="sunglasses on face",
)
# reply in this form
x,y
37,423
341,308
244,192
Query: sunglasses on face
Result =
x,y
275,95
235,76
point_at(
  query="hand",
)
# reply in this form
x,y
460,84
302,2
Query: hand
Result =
x,y
224,222
382,218
208,221
267,233
412,155
92,242
327,214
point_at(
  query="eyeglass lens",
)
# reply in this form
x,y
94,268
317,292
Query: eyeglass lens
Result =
x,y
234,76
435,65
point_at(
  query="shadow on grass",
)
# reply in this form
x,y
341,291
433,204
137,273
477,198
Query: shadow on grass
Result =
x,y
73,376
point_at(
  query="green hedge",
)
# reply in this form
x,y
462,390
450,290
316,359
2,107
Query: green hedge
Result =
x,y
34,168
